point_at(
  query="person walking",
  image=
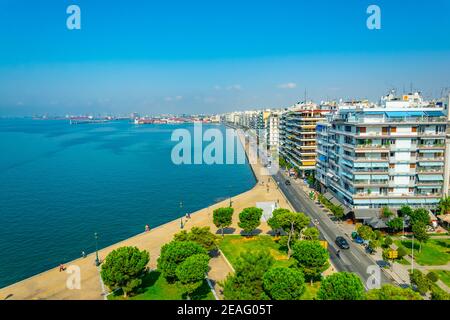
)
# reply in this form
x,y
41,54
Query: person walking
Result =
x,y
83,254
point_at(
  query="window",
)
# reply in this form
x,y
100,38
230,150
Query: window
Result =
x,y
362,129
412,165
384,130
391,165
394,129
414,129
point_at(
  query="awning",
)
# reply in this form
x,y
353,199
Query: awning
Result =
x,y
430,151
429,187
431,177
336,202
432,201
402,114
380,177
398,201
362,214
434,113
347,162
361,201
362,164
431,164
362,177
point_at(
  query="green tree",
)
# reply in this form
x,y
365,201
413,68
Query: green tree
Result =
x,y
366,232
432,276
422,284
374,244
223,218
419,230
311,233
250,219
202,236
444,205
391,292
312,258
191,272
174,253
274,221
404,211
341,286
401,252
283,283
395,224
292,223
388,242
386,213
439,294
124,268
247,281
420,215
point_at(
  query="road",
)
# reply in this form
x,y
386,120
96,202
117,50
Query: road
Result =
x,y
351,260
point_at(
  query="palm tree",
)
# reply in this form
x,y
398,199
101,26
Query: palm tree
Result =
x,y
444,205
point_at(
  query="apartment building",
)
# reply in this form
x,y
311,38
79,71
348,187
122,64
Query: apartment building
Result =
x,y
298,137
389,155
273,130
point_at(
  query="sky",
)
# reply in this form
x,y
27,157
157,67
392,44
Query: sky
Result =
x,y
215,56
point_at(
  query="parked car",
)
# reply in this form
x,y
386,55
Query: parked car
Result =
x,y
342,243
288,183
358,240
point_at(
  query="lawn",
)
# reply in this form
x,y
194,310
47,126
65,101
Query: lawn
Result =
x,y
311,291
434,252
444,275
155,287
233,245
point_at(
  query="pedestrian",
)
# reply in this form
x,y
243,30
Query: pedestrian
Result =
x,y
189,215
181,223
147,228
338,253
83,254
61,267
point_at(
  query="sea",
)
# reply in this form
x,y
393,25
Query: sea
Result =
x,y
61,183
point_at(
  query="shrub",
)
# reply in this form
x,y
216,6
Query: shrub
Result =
x,y
432,276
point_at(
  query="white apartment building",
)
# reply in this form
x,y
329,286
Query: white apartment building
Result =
x,y
387,155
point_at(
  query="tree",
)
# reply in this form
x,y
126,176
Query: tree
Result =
x,y
419,230
283,283
366,232
444,205
391,292
432,276
174,253
202,236
311,233
292,223
341,286
439,294
420,216
388,242
250,219
386,213
404,211
124,269
312,258
374,244
422,284
274,221
395,224
191,272
247,281
401,252
223,217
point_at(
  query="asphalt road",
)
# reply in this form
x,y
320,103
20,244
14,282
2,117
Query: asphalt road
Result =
x,y
351,260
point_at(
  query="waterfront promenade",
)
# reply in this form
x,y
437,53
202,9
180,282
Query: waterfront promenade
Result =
x,y
52,283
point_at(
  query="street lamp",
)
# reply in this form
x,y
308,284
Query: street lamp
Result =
x,y
230,197
97,261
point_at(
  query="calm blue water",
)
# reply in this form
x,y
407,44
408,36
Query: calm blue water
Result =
x,y
60,183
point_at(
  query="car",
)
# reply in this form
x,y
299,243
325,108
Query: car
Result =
x,y
287,182
359,240
342,243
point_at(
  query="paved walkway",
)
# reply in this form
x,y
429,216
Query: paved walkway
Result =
x,y
52,284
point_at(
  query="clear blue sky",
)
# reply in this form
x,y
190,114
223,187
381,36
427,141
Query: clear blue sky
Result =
x,y
215,55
